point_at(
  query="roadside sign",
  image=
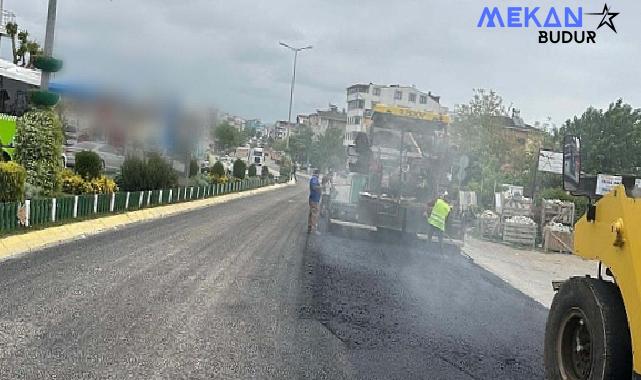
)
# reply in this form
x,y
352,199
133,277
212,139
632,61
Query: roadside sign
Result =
x,y
605,183
551,162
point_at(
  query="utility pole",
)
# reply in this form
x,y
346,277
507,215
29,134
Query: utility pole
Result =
x,y
49,38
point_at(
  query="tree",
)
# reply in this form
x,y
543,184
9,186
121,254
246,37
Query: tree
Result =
x,y
228,137
23,49
328,151
610,139
12,31
218,170
479,132
251,172
301,143
34,49
239,168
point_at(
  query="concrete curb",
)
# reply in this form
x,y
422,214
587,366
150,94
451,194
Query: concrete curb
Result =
x,y
15,245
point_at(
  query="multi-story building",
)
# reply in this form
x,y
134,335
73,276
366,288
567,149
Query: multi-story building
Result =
x,y
281,130
361,99
322,120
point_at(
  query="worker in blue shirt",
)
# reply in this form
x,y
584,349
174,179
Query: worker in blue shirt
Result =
x,y
314,200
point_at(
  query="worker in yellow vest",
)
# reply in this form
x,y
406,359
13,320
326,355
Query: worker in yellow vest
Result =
x,y
437,218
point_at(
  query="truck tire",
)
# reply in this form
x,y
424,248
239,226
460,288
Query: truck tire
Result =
x,y
587,335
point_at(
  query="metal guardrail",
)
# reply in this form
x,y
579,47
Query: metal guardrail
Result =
x,y
46,211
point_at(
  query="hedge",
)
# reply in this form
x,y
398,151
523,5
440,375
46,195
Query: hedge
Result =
x,y
12,180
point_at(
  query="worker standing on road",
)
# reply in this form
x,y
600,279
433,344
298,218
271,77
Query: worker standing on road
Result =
x,y
314,199
294,172
436,220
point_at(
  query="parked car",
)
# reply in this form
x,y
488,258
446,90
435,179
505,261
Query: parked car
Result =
x,y
111,158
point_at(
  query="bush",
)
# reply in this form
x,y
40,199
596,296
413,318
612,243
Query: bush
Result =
x,y
73,183
218,170
193,168
88,164
222,179
12,182
132,174
200,180
38,142
154,174
239,169
264,171
159,173
251,172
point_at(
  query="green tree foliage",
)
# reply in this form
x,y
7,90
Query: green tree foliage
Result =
x,y
301,143
328,151
251,171
229,137
218,170
132,175
88,164
38,142
12,31
159,173
479,132
610,139
264,171
154,174
239,169
12,182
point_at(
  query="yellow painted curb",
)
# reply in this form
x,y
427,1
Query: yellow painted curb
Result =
x,y
4,251
15,244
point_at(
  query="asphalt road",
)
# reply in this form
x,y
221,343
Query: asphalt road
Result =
x,y
238,290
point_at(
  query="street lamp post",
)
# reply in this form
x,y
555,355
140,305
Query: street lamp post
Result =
x,y
291,92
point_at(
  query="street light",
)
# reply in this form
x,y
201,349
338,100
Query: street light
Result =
x,y
291,92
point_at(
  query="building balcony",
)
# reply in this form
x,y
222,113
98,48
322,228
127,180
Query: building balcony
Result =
x,y
5,18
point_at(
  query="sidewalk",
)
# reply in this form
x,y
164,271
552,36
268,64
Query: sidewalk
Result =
x,y
531,272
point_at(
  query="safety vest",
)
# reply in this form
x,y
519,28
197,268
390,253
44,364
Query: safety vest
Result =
x,y
440,211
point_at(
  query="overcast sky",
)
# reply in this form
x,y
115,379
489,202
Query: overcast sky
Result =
x,y
226,52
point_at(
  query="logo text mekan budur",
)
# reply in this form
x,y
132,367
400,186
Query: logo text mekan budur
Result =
x,y
560,25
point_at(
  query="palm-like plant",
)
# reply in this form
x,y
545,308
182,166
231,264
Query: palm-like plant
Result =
x,y
34,49
22,50
12,30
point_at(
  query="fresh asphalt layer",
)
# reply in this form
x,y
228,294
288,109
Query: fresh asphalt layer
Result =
x,y
239,290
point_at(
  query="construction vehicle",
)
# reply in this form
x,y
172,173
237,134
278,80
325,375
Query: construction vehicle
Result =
x,y
594,325
401,163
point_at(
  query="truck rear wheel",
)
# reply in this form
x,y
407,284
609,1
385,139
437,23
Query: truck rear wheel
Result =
x,y
587,335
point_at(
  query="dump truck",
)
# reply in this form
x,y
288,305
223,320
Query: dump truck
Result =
x,y
593,329
394,169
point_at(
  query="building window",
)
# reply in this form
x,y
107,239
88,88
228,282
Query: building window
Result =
x,y
398,95
376,91
357,120
356,104
412,97
423,99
